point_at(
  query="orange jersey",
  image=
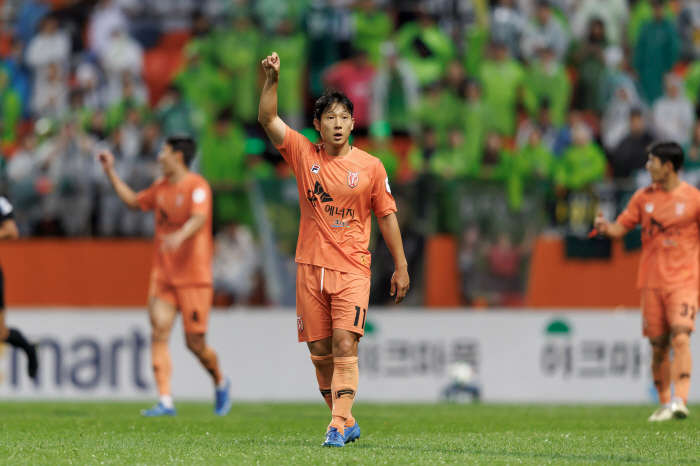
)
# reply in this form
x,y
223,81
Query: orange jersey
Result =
x,y
336,197
670,235
174,204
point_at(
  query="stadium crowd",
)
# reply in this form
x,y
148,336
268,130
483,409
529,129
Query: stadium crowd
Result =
x,y
558,94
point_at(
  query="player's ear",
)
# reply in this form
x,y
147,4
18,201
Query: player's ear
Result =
x,y
317,125
352,125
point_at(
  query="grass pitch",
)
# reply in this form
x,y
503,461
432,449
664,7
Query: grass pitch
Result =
x,y
291,434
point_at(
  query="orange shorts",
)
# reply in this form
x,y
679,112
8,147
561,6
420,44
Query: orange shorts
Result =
x,y
663,309
193,302
328,299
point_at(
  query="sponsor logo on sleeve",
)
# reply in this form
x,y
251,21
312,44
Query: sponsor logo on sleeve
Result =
x,y
199,195
386,182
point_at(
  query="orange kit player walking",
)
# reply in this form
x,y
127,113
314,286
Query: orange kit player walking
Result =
x,y
182,275
669,214
339,185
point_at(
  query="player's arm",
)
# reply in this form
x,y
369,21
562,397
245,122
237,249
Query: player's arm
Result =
x,y
125,193
267,111
389,227
8,229
176,238
612,230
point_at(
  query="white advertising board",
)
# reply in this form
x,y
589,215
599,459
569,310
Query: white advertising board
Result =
x,y
519,356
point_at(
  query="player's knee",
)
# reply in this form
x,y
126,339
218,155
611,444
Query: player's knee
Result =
x,y
345,347
680,339
195,344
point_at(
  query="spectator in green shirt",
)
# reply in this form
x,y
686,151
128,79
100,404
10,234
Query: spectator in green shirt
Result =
x,y
439,111
237,52
10,110
582,163
547,80
502,79
372,27
203,84
177,115
426,47
223,162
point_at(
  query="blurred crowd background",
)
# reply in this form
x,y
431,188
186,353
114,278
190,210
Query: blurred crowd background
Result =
x,y
497,120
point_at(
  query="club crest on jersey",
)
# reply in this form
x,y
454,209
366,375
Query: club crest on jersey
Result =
x,y
353,179
649,207
680,208
300,324
179,199
315,168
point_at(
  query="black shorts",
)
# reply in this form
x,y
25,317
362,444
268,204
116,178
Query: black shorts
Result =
x,y
2,291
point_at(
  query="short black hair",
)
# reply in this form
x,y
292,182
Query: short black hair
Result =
x,y
667,151
330,98
184,144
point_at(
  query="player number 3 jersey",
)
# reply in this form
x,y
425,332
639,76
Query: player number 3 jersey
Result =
x,y
336,197
670,228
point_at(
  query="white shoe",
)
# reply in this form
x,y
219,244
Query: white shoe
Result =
x,y
680,410
662,413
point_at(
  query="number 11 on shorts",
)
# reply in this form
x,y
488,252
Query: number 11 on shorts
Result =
x,y
357,316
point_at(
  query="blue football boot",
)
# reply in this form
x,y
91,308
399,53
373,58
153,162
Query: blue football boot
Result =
x,y
223,400
158,410
334,438
351,433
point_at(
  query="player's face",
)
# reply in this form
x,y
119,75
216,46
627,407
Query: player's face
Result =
x,y
657,170
167,159
335,125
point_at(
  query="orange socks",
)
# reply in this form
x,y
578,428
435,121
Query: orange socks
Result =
x,y
162,366
682,365
324,376
343,388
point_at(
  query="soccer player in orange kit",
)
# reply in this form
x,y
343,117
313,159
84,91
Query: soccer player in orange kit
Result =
x,y
339,186
669,212
182,274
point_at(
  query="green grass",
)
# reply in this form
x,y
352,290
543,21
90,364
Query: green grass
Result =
x,y
291,434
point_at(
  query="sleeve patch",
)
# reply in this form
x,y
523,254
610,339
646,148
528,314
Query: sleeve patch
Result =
x,y
199,195
386,182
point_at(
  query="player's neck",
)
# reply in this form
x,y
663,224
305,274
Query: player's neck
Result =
x,y
337,151
671,183
177,175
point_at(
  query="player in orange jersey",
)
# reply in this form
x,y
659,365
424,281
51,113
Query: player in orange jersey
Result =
x,y
669,213
339,186
182,275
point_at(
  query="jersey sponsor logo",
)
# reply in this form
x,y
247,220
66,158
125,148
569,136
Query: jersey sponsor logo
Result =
x,y
199,195
680,208
178,200
649,207
353,179
315,169
386,182
342,212
300,324
318,193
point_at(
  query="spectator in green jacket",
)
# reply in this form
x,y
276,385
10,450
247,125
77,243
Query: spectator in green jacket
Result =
x,y
10,110
426,47
582,163
223,162
237,52
439,111
203,84
372,27
502,79
547,80
656,52
177,115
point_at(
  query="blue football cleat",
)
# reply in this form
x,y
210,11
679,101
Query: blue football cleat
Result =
x,y
351,433
333,438
158,410
223,400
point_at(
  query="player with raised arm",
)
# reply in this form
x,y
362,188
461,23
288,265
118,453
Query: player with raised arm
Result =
x,y
669,213
8,231
339,187
182,274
